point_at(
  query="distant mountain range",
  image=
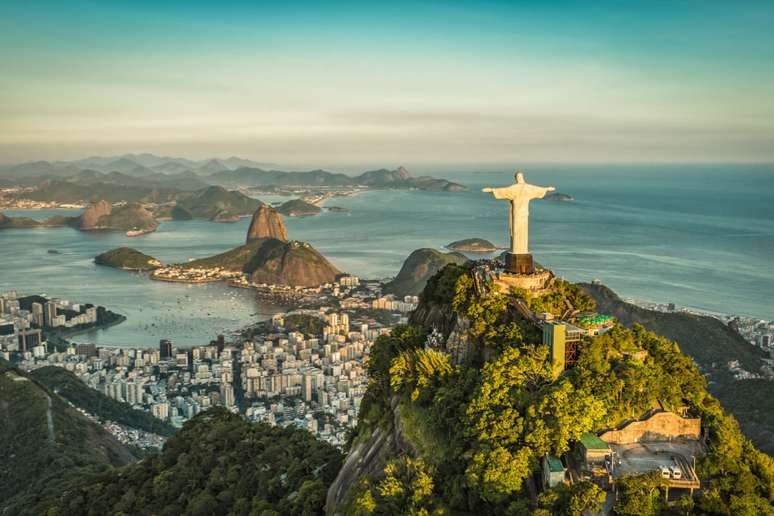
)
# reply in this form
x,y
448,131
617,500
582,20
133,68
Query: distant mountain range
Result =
x,y
399,178
136,165
148,170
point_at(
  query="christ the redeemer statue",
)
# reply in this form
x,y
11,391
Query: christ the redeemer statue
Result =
x,y
519,194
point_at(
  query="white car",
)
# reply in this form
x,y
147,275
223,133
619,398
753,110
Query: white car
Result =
x,y
676,472
664,472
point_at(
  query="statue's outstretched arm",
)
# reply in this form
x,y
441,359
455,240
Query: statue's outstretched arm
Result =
x,y
487,190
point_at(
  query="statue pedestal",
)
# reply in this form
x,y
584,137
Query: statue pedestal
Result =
x,y
537,282
519,263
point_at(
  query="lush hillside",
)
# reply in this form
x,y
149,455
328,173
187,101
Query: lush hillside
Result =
x,y
382,178
712,345
73,192
705,339
68,386
216,201
45,444
402,178
460,425
217,464
420,266
307,324
256,177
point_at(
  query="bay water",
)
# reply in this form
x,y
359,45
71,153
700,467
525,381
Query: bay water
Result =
x,y
700,236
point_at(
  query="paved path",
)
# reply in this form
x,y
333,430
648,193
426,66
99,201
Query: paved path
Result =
x,y
50,421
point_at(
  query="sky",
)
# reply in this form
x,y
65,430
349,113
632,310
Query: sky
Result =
x,y
432,82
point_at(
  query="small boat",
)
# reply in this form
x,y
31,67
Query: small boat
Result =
x,y
135,232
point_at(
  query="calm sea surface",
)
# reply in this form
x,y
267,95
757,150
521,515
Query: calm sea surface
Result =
x,y
698,236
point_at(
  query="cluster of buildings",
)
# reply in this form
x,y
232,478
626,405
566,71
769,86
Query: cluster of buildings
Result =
x,y
313,382
173,385
305,368
23,320
756,331
10,199
183,274
389,302
125,434
661,441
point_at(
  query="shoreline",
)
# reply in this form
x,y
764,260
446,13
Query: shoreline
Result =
x,y
95,328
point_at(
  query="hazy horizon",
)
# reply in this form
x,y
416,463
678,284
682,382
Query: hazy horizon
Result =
x,y
420,84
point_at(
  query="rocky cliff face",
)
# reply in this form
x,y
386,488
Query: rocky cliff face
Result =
x,y
267,223
102,215
367,458
89,219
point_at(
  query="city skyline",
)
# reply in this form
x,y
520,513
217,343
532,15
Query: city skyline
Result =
x,y
336,84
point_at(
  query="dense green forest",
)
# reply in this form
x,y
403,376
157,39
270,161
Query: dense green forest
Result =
x,y
477,430
45,444
309,325
218,463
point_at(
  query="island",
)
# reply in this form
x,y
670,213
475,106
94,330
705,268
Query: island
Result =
x,y
558,196
473,245
127,259
298,208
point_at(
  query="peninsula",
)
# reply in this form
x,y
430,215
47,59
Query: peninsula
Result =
x,y
267,258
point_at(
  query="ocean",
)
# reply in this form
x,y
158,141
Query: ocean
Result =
x,y
698,236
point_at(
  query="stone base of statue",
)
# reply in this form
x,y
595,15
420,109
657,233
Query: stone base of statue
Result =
x,y
519,263
520,273
537,282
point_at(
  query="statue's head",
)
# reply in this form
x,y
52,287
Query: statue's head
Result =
x,y
519,176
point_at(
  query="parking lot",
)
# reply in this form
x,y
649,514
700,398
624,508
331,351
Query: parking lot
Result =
x,y
641,458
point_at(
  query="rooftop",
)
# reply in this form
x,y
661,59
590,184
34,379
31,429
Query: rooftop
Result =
x,y
596,320
554,464
592,442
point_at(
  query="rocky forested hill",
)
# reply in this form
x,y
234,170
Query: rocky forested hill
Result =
x,y
272,261
420,266
463,405
711,344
